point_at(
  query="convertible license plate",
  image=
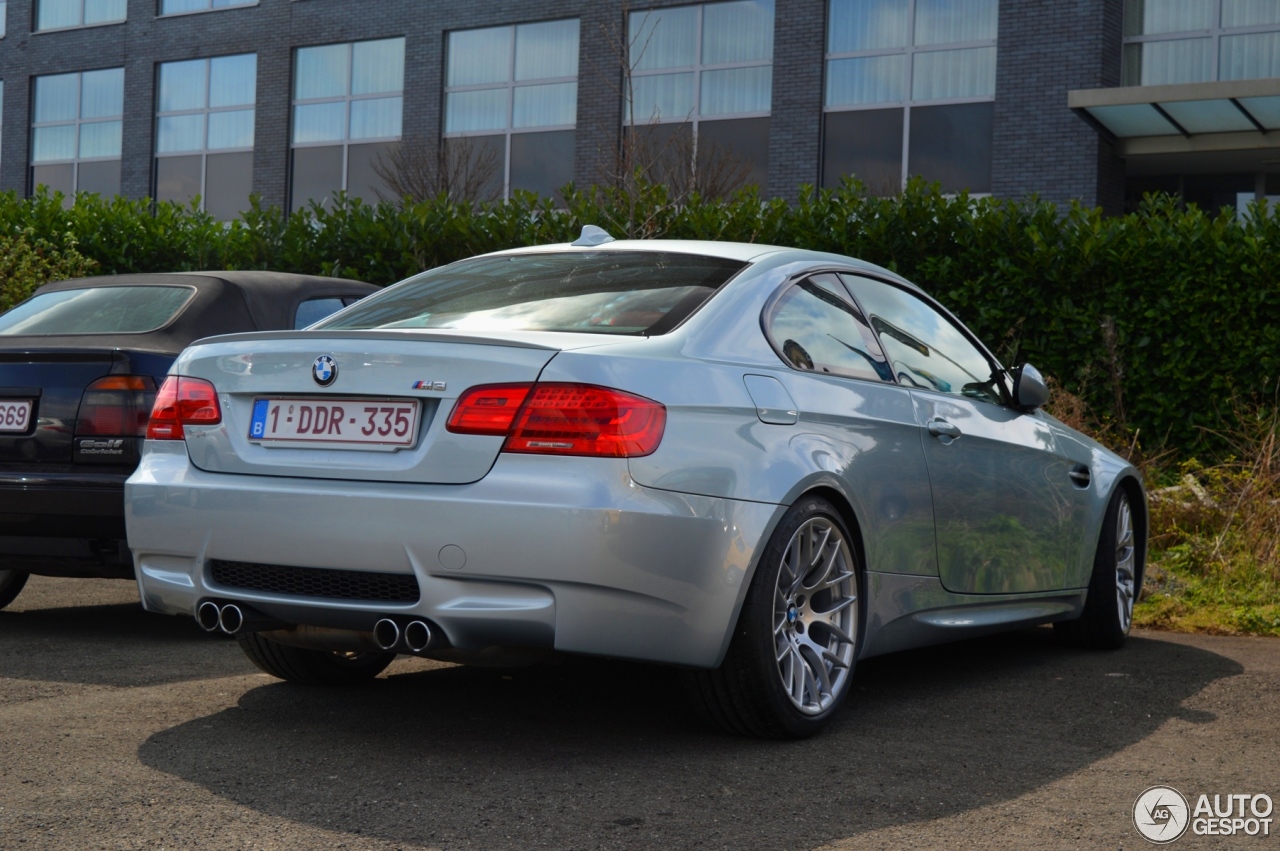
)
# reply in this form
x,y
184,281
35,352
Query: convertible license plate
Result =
x,y
372,423
15,414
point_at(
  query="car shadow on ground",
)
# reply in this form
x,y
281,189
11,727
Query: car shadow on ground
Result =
x,y
592,754
115,644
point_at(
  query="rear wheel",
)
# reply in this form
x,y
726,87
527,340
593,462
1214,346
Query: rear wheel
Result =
x,y
11,582
313,667
791,659
1113,586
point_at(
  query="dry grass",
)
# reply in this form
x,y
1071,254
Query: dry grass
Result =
x,y
1214,560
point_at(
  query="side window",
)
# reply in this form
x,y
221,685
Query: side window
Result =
x,y
814,327
313,310
925,348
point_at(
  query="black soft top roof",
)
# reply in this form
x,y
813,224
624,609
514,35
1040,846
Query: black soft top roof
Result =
x,y
224,303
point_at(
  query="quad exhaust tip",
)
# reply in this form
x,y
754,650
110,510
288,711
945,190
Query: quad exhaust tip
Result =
x,y
386,634
209,616
417,636
230,619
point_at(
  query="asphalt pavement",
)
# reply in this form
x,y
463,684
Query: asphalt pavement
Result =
x,y
121,729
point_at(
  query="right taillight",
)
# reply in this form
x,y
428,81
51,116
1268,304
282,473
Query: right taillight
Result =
x,y
181,402
560,418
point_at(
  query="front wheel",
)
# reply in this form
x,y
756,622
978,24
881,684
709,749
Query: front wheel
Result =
x,y
1113,585
312,667
791,658
11,583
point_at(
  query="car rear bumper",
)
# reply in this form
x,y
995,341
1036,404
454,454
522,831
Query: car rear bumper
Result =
x,y
63,524
567,553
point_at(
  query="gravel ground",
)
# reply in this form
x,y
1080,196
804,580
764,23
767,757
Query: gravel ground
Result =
x,y
122,729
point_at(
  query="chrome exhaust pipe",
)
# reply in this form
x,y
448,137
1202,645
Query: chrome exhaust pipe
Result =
x,y
417,635
208,616
234,618
230,619
386,634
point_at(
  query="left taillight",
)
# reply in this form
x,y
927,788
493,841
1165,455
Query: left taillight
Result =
x,y
116,406
182,402
561,418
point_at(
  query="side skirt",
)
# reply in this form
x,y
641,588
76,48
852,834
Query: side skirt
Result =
x,y
915,611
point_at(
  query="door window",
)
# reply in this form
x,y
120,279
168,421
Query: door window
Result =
x,y
816,328
925,348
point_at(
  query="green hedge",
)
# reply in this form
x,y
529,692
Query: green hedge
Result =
x,y
1163,320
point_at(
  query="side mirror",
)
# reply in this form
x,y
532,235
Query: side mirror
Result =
x,y
1029,388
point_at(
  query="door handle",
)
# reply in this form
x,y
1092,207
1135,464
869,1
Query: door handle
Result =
x,y
942,428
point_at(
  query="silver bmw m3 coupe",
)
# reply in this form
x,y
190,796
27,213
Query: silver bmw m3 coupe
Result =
x,y
756,463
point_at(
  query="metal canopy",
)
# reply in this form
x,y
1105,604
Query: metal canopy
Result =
x,y
1237,114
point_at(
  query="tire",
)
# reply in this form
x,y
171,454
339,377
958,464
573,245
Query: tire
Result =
x,y
790,661
312,667
1113,585
11,583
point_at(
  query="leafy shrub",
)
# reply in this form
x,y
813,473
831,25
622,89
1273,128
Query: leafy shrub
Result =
x,y
1154,319
27,261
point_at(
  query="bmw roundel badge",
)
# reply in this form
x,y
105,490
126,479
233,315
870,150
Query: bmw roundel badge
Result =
x,y
324,370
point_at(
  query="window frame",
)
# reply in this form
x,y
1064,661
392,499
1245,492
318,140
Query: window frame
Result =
x,y
1214,33
36,29
698,68
78,122
999,374
204,151
510,86
346,100
160,13
910,50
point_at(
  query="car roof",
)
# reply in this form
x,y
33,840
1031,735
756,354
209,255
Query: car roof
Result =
x,y
743,252
223,302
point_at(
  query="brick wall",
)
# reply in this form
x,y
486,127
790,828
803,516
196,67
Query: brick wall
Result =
x,y
1045,49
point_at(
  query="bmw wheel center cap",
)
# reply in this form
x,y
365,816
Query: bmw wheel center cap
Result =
x,y
324,370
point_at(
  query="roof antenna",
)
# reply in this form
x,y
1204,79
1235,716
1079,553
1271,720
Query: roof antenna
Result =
x,y
592,235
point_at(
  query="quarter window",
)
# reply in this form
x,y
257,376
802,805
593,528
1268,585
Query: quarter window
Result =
x,y
76,132
511,104
925,348
815,328
60,14
348,100
910,90
204,132
701,85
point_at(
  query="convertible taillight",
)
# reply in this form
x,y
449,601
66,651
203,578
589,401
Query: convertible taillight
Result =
x,y
182,402
116,406
556,418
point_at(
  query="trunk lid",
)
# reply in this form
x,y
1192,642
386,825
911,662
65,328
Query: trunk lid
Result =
x,y
267,377
53,381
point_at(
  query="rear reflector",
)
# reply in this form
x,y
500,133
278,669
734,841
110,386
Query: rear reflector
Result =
x,y
116,406
182,402
562,419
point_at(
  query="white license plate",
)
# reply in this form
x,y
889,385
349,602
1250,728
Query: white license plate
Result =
x,y
370,423
15,414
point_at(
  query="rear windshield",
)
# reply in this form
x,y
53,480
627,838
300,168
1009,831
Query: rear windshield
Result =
x,y
614,292
97,310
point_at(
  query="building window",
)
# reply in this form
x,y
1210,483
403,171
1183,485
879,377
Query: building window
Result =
x,y
60,14
511,105
347,105
4,16
76,132
1197,41
204,132
182,7
910,90
702,79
